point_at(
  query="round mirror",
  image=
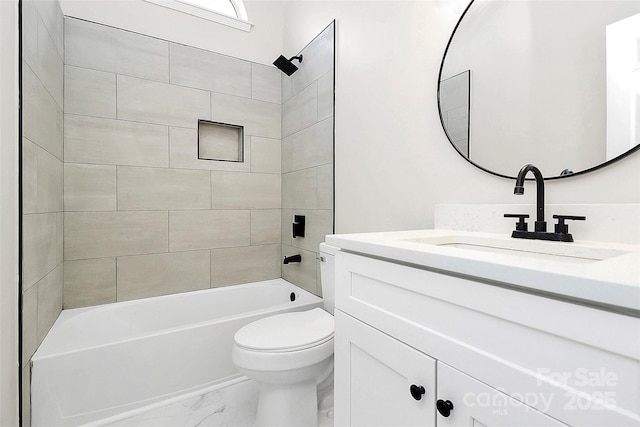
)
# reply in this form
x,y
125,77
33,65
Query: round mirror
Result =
x,y
549,82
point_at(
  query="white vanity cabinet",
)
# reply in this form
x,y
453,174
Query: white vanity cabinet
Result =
x,y
383,382
380,381
502,357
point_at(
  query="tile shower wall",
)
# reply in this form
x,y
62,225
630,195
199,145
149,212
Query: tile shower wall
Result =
x,y
307,158
42,176
143,216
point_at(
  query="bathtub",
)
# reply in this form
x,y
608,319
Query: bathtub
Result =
x,y
101,361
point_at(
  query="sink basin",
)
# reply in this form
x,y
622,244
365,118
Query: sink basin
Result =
x,y
531,249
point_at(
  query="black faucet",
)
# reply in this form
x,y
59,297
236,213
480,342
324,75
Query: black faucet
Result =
x,y
561,229
541,224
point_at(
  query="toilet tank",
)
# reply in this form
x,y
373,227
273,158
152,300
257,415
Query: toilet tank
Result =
x,y
327,275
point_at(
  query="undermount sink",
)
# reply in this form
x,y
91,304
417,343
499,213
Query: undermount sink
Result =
x,y
540,250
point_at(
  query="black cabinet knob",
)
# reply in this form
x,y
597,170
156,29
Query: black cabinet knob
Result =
x,y
416,391
444,407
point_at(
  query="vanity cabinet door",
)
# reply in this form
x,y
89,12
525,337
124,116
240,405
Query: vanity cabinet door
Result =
x,y
464,401
380,381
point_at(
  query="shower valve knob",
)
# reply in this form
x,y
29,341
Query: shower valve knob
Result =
x,y
298,226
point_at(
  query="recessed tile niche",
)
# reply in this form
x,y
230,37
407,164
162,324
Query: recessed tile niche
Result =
x,y
220,141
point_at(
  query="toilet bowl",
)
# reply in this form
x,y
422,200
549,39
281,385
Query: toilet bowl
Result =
x,y
289,355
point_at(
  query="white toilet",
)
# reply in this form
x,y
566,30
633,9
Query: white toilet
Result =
x,y
290,354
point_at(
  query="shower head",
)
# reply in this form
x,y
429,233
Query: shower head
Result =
x,y
285,65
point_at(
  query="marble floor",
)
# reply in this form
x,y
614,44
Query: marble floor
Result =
x,y
232,405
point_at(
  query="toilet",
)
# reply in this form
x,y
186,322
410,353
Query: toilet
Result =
x,y
290,355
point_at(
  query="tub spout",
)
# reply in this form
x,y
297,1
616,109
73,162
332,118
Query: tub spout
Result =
x,y
292,258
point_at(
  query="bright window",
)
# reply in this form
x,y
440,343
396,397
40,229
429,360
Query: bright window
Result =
x,y
226,12
224,7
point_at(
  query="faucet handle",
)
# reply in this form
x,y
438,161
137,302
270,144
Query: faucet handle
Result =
x,y
561,227
521,225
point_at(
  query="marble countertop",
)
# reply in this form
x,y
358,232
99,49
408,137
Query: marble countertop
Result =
x,y
603,275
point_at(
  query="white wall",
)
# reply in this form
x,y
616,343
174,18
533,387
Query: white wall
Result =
x,y
9,213
393,161
262,44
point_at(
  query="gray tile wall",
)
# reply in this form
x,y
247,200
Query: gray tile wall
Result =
x,y
42,175
143,215
307,158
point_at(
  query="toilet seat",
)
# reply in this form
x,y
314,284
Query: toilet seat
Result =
x,y
288,332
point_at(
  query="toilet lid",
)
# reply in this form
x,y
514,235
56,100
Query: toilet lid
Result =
x,y
288,331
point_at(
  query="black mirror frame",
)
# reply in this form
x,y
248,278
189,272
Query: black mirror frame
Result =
x,y
582,172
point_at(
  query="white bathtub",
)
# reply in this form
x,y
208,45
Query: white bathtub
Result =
x,y
101,361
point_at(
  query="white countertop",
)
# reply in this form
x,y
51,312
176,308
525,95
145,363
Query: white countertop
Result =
x,y
611,283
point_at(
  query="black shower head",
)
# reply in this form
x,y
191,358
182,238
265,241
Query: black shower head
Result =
x,y
285,65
